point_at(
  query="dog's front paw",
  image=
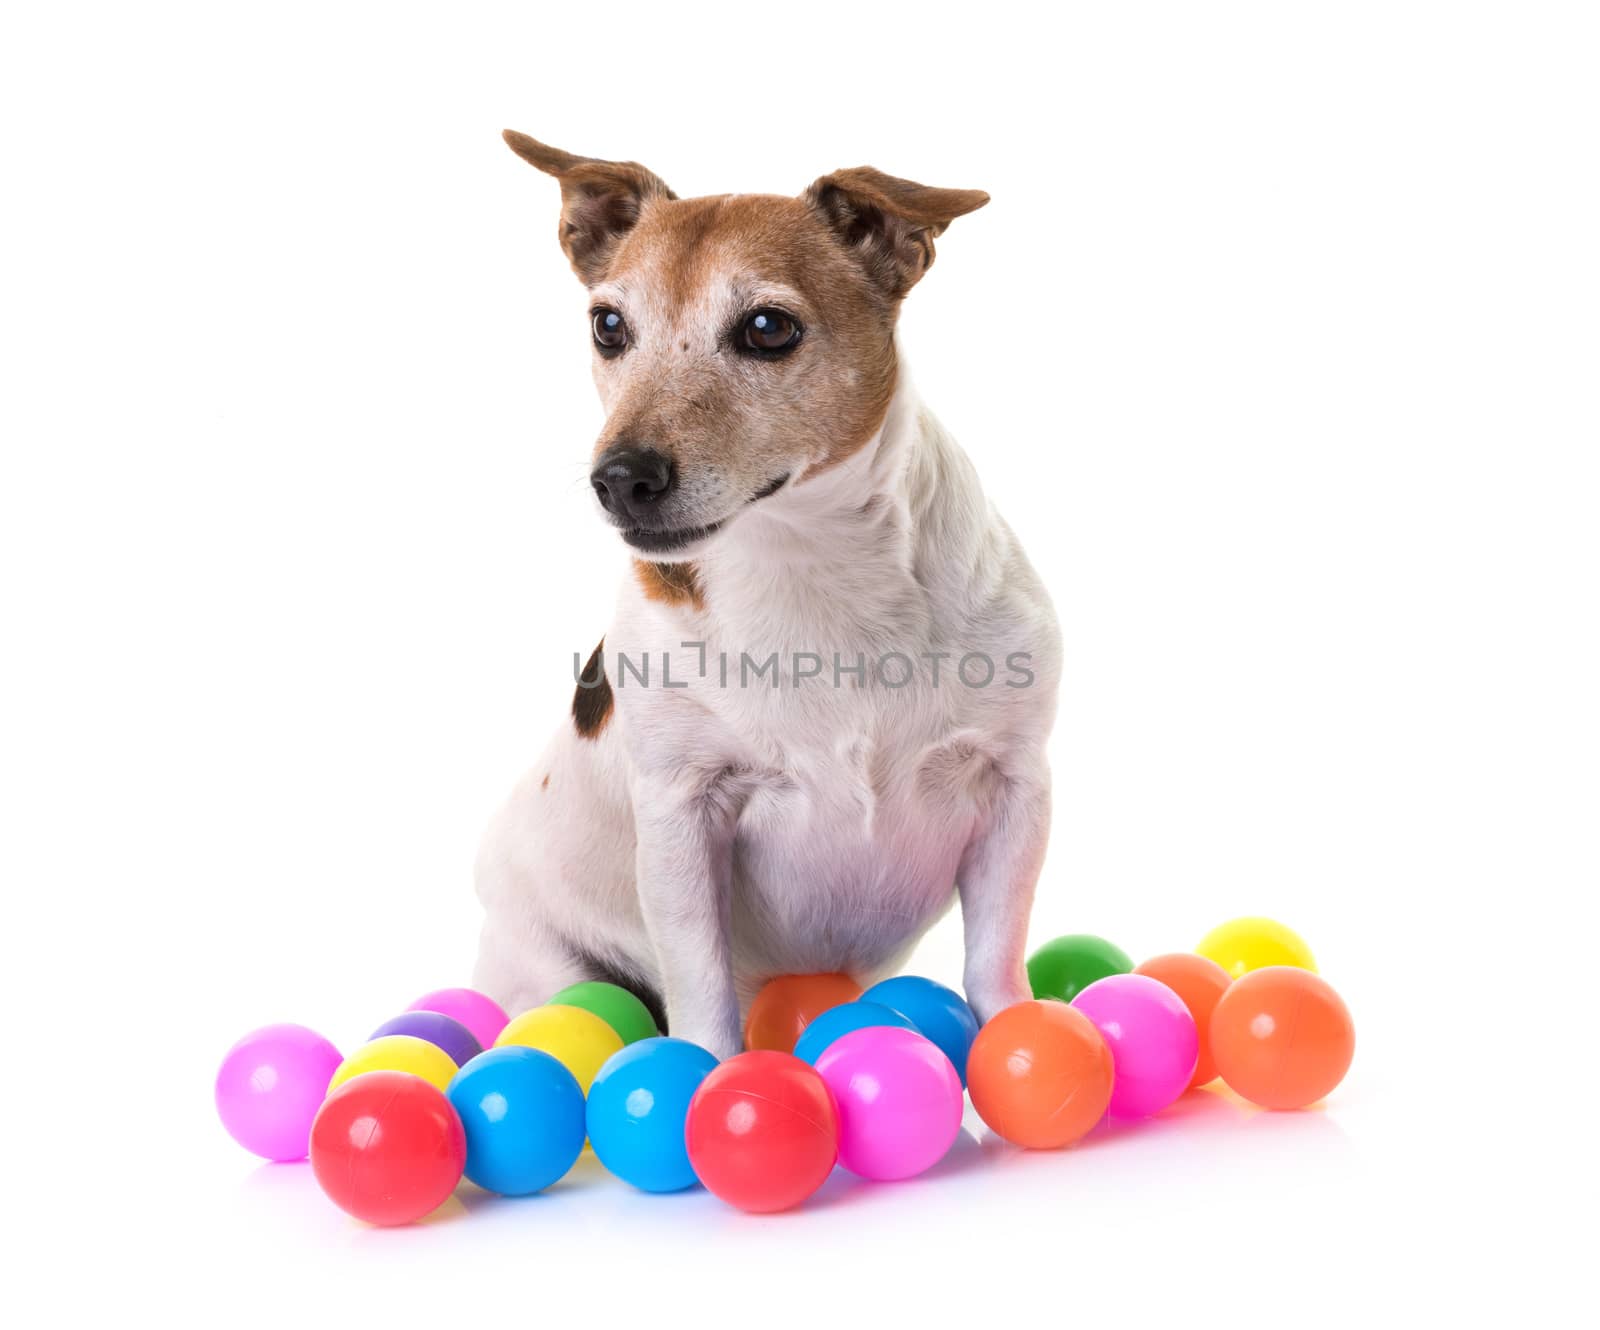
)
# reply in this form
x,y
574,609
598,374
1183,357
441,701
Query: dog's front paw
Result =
x,y
989,996
721,1039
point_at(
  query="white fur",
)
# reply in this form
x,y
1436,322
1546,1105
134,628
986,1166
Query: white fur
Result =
x,y
710,837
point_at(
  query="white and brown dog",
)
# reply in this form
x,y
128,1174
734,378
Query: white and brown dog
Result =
x,y
820,712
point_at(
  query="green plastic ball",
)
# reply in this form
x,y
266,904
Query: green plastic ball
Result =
x,y
617,1007
1064,967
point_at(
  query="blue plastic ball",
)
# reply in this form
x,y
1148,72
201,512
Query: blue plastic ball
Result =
x,y
523,1113
637,1108
939,1013
841,1020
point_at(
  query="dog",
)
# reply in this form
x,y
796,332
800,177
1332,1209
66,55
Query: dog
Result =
x,y
820,712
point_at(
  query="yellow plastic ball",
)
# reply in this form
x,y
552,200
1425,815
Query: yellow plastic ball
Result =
x,y
1253,943
398,1052
579,1040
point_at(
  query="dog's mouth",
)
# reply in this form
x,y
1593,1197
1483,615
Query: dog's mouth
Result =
x,y
653,540
660,542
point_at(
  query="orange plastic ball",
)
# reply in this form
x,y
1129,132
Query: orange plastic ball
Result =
x,y
789,1003
1200,983
1282,1038
1040,1074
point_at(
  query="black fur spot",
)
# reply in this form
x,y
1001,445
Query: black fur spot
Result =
x,y
592,700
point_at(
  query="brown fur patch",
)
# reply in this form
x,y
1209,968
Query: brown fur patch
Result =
x,y
591,706
669,583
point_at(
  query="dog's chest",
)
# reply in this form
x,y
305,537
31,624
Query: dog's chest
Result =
x,y
851,847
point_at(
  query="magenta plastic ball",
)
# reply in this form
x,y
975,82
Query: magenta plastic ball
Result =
x,y
899,1101
482,1015
1153,1041
270,1086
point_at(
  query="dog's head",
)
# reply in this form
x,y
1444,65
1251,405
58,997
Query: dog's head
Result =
x,y
743,342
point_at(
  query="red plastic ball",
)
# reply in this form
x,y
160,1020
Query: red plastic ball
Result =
x,y
763,1131
387,1147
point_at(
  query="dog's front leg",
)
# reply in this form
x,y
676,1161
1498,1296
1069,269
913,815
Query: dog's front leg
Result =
x,y
996,880
685,870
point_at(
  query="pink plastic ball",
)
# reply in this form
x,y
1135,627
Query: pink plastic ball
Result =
x,y
270,1086
899,1101
1153,1041
482,1015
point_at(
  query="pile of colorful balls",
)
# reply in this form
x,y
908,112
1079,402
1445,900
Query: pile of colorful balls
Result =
x,y
872,1081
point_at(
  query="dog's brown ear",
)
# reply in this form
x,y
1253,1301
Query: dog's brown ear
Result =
x,y
889,223
600,201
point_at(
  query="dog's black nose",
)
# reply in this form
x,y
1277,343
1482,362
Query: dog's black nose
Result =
x,y
628,480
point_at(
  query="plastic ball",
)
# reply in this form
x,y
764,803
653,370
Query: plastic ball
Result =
x,y
638,1106
1252,943
387,1147
482,1015
762,1131
398,1052
269,1088
1065,966
899,1101
522,1112
1153,1042
579,1040
438,1029
1040,1074
939,1013
617,1007
1200,983
1282,1037
839,1021
789,1003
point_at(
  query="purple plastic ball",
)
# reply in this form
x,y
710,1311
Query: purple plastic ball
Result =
x,y
270,1086
482,1015
899,1100
451,1035
1153,1041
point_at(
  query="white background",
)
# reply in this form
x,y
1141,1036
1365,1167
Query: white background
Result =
x,y
1278,348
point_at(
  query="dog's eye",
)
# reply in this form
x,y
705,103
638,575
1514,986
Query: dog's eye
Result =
x,y
610,332
770,331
